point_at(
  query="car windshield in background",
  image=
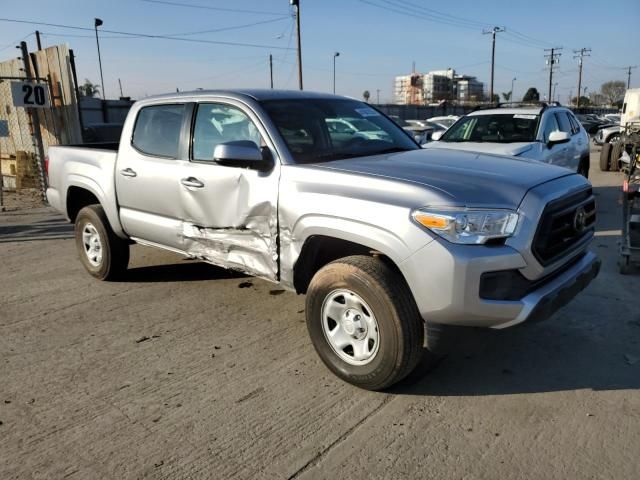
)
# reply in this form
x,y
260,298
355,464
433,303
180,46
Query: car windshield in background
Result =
x,y
321,130
498,128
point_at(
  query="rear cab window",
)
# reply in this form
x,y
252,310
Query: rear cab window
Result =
x,y
157,130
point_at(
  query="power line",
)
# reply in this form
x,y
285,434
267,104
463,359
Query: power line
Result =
x,y
14,43
207,7
146,35
181,34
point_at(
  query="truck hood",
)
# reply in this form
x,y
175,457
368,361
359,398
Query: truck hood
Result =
x,y
484,147
443,177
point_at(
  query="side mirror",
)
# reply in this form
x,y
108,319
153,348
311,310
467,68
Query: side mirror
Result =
x,y
240,153
435,136
558,137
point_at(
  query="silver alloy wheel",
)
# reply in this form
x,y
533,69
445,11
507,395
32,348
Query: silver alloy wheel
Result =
x,y
350,327
92,244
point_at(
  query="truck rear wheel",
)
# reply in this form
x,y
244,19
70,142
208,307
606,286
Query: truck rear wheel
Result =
x,y
104,255
616,153
363,322
605,157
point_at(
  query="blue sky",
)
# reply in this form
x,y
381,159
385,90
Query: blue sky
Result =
x,y
374,43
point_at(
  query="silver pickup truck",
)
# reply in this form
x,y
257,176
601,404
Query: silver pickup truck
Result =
x,y
388,240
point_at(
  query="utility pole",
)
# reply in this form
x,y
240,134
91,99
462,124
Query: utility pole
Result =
x,y
513,80
96,23
580,54
296,3
493,32
120,85
35,124
271,70
552,59
38,41
629,68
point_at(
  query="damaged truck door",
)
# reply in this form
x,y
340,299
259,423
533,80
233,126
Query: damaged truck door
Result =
x,y
229,191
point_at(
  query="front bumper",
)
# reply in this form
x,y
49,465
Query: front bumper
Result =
x,y
445,281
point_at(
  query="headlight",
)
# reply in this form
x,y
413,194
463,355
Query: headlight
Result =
x,y
468,226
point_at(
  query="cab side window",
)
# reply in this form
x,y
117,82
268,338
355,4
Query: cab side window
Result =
x,y
217,123
550,125
564,123
157,130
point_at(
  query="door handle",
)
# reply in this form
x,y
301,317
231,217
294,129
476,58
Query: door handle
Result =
x,y
192,182
128,172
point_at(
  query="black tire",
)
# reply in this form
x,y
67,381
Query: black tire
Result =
x,y
114,251
605,157
400,327
616,153
624,265
583,168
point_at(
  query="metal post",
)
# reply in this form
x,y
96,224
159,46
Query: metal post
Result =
x,y
553,59
271,70
120,84
337,54
97,23
512,82
35,124
72,62
583,52
38,41
296,3
493,32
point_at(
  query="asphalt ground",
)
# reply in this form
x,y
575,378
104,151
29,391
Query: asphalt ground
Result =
x,y
186,370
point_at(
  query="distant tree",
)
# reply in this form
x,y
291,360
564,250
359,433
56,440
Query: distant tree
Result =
x,y
366,95
532,95
584,101
597,99
613,91
89,89
506,96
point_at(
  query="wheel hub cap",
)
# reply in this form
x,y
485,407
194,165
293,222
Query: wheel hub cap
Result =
x,y
350,327
92,244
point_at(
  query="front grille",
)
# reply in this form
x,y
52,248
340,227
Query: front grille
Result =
x,y
566,225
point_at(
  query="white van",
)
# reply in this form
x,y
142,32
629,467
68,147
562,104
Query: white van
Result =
x,y
630,106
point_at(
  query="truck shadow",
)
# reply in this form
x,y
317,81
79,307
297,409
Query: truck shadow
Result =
x,y
50,229
187,271
533,359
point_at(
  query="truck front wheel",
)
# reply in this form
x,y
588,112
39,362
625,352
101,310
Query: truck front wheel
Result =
x,y
363,322
102,252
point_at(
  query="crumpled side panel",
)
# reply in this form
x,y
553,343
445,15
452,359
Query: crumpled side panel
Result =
x,y
251,248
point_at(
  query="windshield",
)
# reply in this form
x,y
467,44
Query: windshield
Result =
x,y
321,130
494,128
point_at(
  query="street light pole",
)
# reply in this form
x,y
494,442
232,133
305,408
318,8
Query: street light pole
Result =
x,y
296,3
97,22
553,95
512,82
336,54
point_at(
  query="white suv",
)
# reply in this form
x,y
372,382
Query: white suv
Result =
x,y
549,134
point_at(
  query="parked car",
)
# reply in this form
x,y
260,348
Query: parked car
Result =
x,y
422,133
444,122
550,134
389,242
351,127
591,123
607,134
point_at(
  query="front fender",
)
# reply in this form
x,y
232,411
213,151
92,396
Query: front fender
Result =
x,y
397,245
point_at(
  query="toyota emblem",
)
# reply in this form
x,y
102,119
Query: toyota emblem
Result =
x,y
580,220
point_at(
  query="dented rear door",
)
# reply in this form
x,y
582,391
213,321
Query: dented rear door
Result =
x,y
230,212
